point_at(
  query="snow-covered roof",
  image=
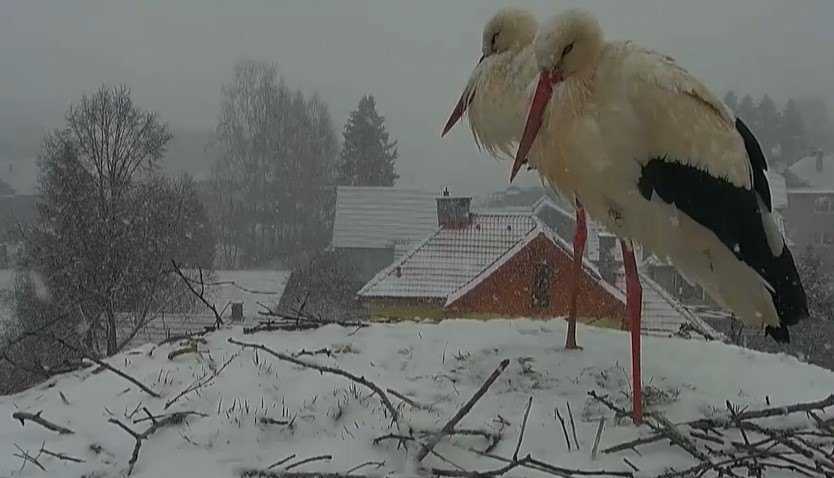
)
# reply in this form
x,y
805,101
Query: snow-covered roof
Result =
x,y
664,315
453,261
451,257
380,217
806,170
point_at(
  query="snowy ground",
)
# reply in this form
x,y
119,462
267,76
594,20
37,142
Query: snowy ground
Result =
x,y
441,365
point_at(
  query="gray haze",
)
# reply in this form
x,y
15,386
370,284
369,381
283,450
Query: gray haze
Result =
x,y
414,56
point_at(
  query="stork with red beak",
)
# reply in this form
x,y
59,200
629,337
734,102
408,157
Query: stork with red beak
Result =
x,y
496,98
658,159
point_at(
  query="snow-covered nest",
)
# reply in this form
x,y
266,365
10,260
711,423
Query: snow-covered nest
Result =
x,y
440,365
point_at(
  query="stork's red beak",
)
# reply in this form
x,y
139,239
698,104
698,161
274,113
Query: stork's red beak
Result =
x,y
535,117
460,108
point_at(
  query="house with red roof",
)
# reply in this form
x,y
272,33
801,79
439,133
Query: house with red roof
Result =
x,y
507,264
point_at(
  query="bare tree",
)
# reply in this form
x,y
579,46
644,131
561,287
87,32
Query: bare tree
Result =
x,y
106,225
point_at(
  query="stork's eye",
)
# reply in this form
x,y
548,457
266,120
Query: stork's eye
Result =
x,y
494,39
567,50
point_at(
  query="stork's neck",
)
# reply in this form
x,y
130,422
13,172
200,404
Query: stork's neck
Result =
x,y
575,92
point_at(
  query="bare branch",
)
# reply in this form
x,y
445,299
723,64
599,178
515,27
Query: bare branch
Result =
x,y
36,418
218,321
332,370
523,427
450,425
308,460
200,383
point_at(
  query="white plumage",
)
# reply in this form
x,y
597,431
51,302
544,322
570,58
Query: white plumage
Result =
x,y
625,120
496,98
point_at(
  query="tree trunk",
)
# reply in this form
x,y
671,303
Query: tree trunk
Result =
x,y
112,345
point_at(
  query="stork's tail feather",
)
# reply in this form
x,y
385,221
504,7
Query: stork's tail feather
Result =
x,y
789,296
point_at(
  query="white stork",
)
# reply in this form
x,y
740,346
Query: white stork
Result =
x,y
658,159
496,98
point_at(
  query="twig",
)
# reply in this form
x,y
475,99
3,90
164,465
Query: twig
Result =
x,y
61,456
105,365
322,351
280,462
138,437
170,416
249,473
166,420
523,427
412,403
26,457
597,438
332,370
630,464
125,376
200,383
308,460
564,428
378,464
201,295
572,426
272,421
36,418
530,463
766,413
450,425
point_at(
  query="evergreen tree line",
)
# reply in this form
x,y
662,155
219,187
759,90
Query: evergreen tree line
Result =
x,y
800,127
272,193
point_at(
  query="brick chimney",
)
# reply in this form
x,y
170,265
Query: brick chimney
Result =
x,y
453,212
819,160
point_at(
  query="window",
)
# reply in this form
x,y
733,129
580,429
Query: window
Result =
x,y
541,286
824,204
828,239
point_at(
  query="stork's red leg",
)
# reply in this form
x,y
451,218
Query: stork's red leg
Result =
x,y
579,239
634,306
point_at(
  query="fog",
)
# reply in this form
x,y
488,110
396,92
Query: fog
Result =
x,y
413,56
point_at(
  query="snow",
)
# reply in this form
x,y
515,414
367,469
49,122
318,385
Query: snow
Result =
x,y
250,287
438,364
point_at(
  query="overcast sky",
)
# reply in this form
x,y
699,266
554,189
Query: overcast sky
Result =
x,y
414,56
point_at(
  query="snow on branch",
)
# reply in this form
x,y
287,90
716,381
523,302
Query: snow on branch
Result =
x,y
804,451
331,370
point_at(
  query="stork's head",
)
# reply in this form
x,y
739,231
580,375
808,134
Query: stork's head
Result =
x,y
568,46
510,30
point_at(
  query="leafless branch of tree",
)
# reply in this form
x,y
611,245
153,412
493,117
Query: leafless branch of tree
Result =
x,y
597,438
325,369
410,402
158,422
564,427
201,382
201,294
308,460
106,365
27,458
36,418
523,427
450,425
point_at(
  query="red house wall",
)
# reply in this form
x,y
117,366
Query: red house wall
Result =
x,y
508,291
